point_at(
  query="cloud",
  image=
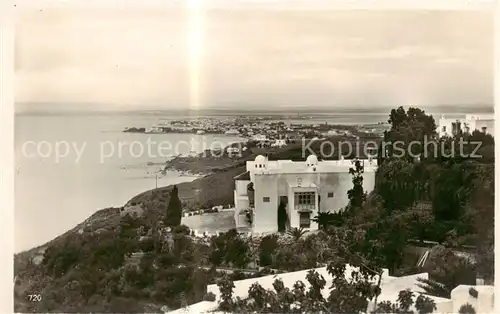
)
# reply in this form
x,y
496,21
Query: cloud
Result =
x,y
264,57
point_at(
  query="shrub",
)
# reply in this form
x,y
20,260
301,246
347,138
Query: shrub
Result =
x,y
424,304
267,247
209,297
147,245
174,209
183,229
467,309
473,292
238,275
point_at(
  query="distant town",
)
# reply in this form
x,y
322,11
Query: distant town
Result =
x,y
265,128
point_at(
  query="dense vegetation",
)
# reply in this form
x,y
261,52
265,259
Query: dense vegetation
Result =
x,y
173,214
437,197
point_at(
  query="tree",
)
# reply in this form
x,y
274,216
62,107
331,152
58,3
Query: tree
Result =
x,y
423,304
217,249
293,257
446,272
356,195
296,233
467,309
451,191
481,210
237,253
267,247
174,209
209,297
226,287
395,184
183,248
58,260
181,229
409,126
326,219
346,295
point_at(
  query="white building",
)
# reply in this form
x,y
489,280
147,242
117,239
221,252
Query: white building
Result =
x,y
233,151
450,127
306,188
279,143
259,137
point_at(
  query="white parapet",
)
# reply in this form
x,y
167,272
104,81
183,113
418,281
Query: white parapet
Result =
x,y
482,303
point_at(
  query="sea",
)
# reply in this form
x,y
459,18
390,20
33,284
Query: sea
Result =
x,y
70,166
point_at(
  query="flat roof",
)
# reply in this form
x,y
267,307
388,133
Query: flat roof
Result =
x,y
243,176
288,166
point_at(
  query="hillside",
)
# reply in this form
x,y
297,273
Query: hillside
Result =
x,y
31,269
100,233
88,268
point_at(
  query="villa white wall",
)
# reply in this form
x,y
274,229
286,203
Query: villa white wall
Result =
x,y
339,184
241,186
368,181
390,288
198,308
266,213
241,201
330,182
241,221
484,303
488,124
241,286
275,179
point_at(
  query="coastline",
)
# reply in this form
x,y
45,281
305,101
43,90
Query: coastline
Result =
x,y
104,212
209,180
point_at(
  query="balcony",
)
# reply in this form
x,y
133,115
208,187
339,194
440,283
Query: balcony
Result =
x,y
305,201
305,207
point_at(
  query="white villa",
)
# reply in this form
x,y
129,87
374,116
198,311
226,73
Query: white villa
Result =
x,y
450,127
305,188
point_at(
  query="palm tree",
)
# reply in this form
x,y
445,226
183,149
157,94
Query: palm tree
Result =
x,y
434,288
325,219
322,219
253,244
296,233
467,309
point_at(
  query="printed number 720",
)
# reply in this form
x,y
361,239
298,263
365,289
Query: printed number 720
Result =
x,y
35,297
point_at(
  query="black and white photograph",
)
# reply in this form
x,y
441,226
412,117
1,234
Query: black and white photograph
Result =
x,y
198,158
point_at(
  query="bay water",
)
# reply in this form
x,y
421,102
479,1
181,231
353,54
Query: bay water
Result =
x,y
70,166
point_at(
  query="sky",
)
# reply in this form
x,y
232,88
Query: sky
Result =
x,y
198,58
